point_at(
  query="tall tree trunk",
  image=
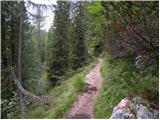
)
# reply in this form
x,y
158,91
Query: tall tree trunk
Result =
x,y
22,102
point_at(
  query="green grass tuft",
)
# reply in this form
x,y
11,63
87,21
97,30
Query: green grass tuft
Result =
x,y
79,83
36,112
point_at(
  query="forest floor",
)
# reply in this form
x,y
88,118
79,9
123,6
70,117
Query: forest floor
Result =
x,y
83,107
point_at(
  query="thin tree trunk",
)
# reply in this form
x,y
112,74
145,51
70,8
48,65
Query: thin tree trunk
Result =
x,y
22,102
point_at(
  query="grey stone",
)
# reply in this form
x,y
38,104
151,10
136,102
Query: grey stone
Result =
x,y
142,112
121,114
122,110
135,108
145,113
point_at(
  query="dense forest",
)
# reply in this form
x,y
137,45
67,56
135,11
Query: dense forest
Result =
x,y
44,72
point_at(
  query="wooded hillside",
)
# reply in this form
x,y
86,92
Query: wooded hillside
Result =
x,y
43,71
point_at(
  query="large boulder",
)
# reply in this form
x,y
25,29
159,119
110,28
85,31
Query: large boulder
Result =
x,y
122,110
134,108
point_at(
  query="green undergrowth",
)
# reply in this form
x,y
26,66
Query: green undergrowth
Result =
x,y
121,79
63,95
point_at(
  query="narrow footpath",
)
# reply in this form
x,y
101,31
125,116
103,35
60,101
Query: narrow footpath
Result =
x,y
83,107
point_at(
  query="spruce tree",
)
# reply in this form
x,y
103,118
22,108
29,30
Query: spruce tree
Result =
x,y
79,50
10,36
58,62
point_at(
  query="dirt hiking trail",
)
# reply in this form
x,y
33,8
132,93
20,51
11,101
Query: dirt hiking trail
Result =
x,y
83,107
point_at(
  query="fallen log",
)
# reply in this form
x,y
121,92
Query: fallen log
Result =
x,y
30,97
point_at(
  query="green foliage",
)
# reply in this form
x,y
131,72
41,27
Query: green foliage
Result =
x,y
38,86
58,60
125,22
38,112
95,28
95,7
10,108
31,67
79,83
121,79
79,39
10,35
80,31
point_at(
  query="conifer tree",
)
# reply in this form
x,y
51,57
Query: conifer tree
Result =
x,y
58,62
79,51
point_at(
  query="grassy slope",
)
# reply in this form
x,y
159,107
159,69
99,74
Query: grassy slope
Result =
x,y
63,97
120,79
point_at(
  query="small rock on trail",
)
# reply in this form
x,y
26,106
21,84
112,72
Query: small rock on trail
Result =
x,y
83,107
